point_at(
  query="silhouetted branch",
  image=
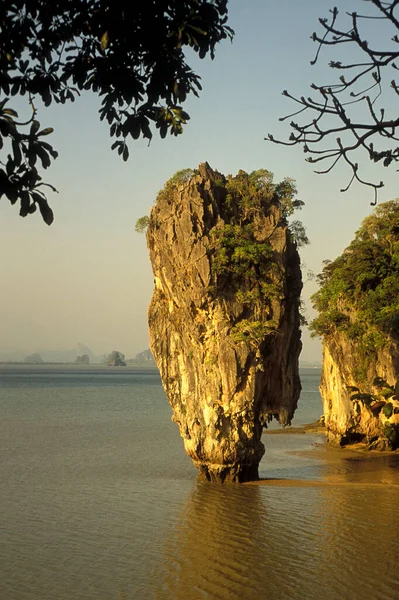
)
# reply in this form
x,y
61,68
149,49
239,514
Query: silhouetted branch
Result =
x,y
334,112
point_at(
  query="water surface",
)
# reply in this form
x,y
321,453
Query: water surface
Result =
x,y
99,501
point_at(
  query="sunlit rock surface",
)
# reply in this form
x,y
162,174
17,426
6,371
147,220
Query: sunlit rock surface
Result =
x,y
355,410
223,386
358,319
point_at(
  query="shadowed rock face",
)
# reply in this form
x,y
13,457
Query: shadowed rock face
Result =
x,y
224,319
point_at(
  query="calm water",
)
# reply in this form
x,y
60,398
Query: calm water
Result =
x,y
99,501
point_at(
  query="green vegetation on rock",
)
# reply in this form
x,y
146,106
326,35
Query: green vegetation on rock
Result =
x,y
179,178
359,291
224,317
244,264
141,224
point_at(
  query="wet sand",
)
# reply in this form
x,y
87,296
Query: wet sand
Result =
x,y
314,483
369,466
315,427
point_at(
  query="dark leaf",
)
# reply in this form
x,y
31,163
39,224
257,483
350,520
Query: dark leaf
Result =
x,y
17,152
45,210
10,166
25,204
34,127
44,157
45,131
11,112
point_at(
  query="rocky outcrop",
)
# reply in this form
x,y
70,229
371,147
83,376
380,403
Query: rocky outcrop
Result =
x,y
82,360
116,359
360,406
224,318
144,357
359,321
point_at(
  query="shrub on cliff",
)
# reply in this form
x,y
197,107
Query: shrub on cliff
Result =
x,y
243,262
359,291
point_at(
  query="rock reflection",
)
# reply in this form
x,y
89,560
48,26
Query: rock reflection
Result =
x,y
241,542
217,545
332,538
351,467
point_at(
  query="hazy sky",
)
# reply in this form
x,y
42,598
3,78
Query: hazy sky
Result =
x,y
87,278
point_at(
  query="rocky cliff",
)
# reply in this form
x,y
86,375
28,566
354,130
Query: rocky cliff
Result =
x,y
224,318
361,408
359,322
116,359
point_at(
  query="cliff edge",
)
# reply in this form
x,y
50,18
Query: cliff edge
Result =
x,y
224,317
358,305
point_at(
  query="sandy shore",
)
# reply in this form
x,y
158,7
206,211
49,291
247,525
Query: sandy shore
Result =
x,y
315,427
370,468
321,483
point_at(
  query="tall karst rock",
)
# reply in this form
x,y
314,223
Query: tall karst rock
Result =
x,y
358,304
224,317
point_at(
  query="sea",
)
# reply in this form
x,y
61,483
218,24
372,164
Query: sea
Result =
x,y
98,501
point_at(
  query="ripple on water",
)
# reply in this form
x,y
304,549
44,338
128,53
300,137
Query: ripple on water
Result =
x,y
99,502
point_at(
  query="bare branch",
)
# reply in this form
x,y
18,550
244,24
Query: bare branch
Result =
x,y
335,112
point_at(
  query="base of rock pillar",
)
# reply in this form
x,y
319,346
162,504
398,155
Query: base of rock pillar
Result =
x,y
227,473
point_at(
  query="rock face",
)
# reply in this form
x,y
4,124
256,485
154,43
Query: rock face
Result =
x,y
359,322
356,410
116,359
224,318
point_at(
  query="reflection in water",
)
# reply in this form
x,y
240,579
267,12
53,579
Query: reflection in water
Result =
x,y
219,535
360,547
235,542
99,502
363,468
243,542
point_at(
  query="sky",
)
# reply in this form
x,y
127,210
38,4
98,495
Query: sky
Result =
x,y
87,278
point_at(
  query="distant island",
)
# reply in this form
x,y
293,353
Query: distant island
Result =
x,y
116,359
144,357
80,355
82,360
34,359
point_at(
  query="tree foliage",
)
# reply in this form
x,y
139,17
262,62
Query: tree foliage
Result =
x,y
130,54
347,116
244,265
359,291
141,224
244,262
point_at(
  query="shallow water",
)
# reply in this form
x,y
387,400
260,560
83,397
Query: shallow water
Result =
x,y
99,501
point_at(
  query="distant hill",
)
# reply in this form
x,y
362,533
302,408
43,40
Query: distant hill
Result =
x,y
69,355
145,356
34,359
53,355
82,360
141,358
